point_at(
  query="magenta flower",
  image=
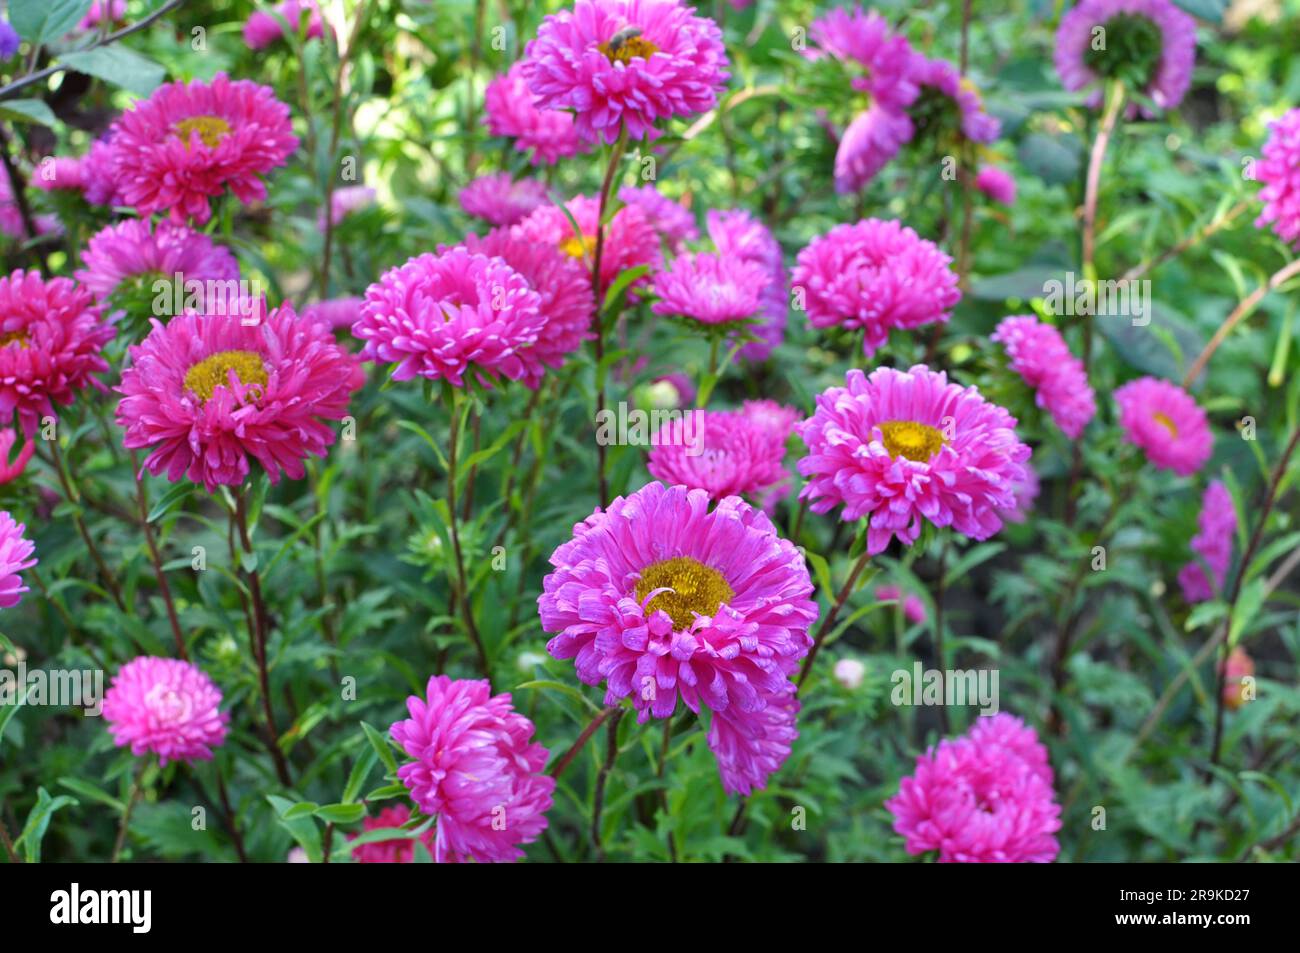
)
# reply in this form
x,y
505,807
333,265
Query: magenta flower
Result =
x,y
673,221
710,289
1148,44
15,556
943,89
875,276
63,174
752,746
184,145
167,707
997,183
345,201
12,470
99,176
134,252
1166,423
115,10
1216,525
11,216
399,850
983,798
723,452
335,313
442,316
913,607
205,392
1279,171
903,446
475,770
51,334
512,111
262,28
626,64
630,239
775,420
501,200
869,142
660,598
1026,491
1038,353
738,235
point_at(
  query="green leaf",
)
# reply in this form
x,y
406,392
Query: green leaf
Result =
x,y
88,790
618,287
301,829
170,500
341,813
380,744
39,21
1054,159
38,821
119,66
28,110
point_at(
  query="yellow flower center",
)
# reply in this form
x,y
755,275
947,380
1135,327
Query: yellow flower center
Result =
x,y
907,438
214,371
694,588
576,246
211,129
1164,421
622,48
14,337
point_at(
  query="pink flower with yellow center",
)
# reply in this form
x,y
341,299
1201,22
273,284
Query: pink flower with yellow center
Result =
x,y
1164,420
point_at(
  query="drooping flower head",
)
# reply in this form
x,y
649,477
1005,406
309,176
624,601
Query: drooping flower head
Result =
x,y
183,146
723,452
875,276
1238,667
949,103
710,289
672,220
913,607
626,63
737,234
205,392
263,28
512,111
12,470
501,200
659,597
166,707
630,239
399,850
1279,171
15,556
1164,420
475,769
51,335
997,183
1213,543
1150,45
443,316
982,798
900,447
1037,352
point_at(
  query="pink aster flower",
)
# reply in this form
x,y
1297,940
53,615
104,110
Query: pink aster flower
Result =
x,y
983,798
512,111
15,556
869,142
501,200
997,183
1279,171
723,452
1149,44
115,10
565,290
442,316
672,220
180,148
99,176
630,239
738,235
660,598
913,607
1213,543
399,850
903,446
942,89
1026,491
1038,353
1164,420
335,313
167,707
262,28
135,251
11,216
877,276
475,769
10,471
626,64
775,420
1238,667
345,201
59,174
51,334
207,391
710,289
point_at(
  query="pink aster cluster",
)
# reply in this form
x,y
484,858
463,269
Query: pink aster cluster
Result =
x,y
138,250
710,289
1037,352
672,220
1212,543
626,64
399,850
475,770
501,200
983,798
512,111
1164,420
724,452
913,607
900,447
1148,44
183,146
940,79
166,707
51,335
1279,171
630,238
205,392
875,275
15,556
12,469
263,28
997,183
661,598
737,234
